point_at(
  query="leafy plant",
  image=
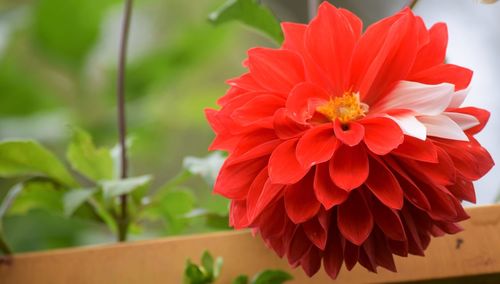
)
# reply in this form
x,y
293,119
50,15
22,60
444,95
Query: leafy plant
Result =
x,y
48,184
209,271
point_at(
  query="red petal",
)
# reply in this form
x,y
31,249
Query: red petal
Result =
x,y
283,165
414,242
316,233
299,101
300,202
316,146
311,261
444,73
261,193
299,245
330,40
355,22
350,134
238,214
349,167
367,256
384,185
294,40
388,221
326,191
274,216
294,36
482,115
463,190
354,219
383,254
416,149
256,152
260,107
384,55
277,70
435,51
442,172
246,82
412,192
234,180
286,126
253,140
382,135
334,255
470,159
351,255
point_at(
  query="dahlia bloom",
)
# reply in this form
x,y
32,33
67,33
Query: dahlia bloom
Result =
x,y
349,147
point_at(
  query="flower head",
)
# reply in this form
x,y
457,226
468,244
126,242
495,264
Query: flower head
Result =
x,y
349,147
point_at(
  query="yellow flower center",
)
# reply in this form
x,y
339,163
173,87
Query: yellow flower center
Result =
x,y
345,108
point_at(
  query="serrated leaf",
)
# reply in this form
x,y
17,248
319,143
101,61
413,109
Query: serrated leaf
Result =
x,y
208,167
251,13
114,188
74,198
25,158
272,277
207,261
94,163
242,279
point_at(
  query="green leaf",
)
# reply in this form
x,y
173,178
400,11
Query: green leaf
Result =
x,y
271,277
9,199
68,29
20,158
74,198
178,202
251,13
207,167
4,207
242,279
37,194
207,261
193,274
114,188
105,216
94,163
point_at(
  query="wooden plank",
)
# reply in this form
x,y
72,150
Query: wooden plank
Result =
x,y
474,251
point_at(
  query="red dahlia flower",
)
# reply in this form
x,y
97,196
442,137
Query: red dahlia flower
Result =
x,y
349,147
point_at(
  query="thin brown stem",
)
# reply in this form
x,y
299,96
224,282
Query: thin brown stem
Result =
x,y
312,8
412,4
123,218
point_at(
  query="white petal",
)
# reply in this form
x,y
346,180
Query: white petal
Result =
x,y
422,99
443,126
410,126
458,97
465,121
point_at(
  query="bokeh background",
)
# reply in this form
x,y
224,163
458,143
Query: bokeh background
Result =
x,y
58,63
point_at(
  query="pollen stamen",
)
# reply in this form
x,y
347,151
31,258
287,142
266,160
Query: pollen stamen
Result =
x,y
345,108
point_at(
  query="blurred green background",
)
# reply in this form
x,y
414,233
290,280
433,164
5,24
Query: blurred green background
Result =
x,y
58,63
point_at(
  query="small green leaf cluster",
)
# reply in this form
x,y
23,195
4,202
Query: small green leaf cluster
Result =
x,y
209,271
